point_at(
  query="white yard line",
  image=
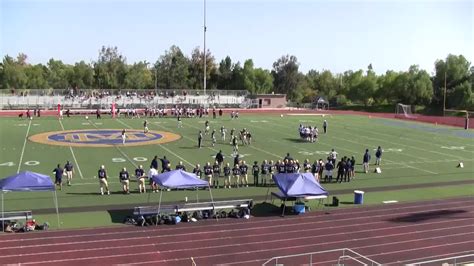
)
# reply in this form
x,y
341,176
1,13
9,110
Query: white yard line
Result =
x,y
168,150
73,155
23,149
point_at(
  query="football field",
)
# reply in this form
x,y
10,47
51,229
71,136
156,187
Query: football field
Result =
x,y
419,160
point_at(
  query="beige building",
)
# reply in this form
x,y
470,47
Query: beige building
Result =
x,y
269,100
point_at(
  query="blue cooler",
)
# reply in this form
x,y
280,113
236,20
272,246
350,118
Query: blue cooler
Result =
x,y
299,208
358,197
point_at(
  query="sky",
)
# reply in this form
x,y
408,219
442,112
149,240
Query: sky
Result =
x,y
335,35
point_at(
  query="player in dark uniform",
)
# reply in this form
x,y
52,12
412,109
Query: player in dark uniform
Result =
x,y
216,172
235,145
236,174
290,167
325,126
165,164
180,166
197,171
366,160
58,176
341,168
102,175
232,133
199,139
315,170
154,163
307,166
378,156
69,168
124,178
255,172
244,174
347,175
145,126
227,172
180,123
265,168
208,173
140,175
353,164
97,113
281,167
220,157
328,171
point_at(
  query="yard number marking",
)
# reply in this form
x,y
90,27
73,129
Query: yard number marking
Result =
x,y
32,163
122,160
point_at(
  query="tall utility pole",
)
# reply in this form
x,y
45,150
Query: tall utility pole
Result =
x,y
444,100
205,65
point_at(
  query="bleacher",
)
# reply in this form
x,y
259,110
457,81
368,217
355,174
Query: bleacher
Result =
x,y
104,100
193,207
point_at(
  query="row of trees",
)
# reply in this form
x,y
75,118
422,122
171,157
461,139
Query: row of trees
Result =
x,y
174,70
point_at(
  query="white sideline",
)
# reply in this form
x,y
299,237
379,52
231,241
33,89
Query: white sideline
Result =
x,y
23,149
73,155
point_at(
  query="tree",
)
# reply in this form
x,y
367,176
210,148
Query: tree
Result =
x,y
110,69
172,69
249,76
57,75
36,77
456,70
224,71
14,76
81,76
387,92
196,69
138,76
263,81
286,77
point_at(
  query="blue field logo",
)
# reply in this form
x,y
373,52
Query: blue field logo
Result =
x,y
103,138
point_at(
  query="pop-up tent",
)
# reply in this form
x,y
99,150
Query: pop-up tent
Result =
x,y
181,180
298,185
28,181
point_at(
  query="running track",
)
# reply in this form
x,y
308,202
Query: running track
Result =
x,y
396,233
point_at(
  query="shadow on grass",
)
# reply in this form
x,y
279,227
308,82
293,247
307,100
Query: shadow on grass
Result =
x,y
98,194
118,216
265,209
424,216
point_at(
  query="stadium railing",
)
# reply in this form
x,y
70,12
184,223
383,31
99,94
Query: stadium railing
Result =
x,y
16,215
342,256
456,260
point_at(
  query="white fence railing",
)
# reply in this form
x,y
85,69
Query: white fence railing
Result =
x,y
340,256
457,260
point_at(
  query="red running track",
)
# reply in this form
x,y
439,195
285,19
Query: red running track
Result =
x,y
397,233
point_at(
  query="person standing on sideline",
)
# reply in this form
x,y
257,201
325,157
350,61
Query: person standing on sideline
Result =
x,y
140,175
102,174
325,126
227,171
236,174
58,176
216,172
244,178
255,171
69,171
366,160
124,136
124,178
199,139
208,173
152,172
235,145
378,156
197,171
154,163
220,157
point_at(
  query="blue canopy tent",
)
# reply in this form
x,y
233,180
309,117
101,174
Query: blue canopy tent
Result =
x,y
298,185
181,180
28,181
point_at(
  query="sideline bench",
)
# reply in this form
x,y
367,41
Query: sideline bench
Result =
x,y
16,215
192,207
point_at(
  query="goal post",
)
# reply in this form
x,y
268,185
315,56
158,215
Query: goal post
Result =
x,y
403,110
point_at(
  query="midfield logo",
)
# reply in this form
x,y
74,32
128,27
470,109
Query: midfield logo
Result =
x,y
103,137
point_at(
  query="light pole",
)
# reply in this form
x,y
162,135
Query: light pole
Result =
x,y
205,65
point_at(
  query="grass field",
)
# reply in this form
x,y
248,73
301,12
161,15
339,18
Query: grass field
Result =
x,y
412,155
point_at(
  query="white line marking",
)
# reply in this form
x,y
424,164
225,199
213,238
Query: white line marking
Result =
x,y
226,238
23,149
72,152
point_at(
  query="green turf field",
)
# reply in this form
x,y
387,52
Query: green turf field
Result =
x,y
413,154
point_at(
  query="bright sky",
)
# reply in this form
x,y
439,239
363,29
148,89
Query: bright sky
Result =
x,y
335,35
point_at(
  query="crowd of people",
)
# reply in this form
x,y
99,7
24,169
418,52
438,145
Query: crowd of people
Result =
x,y
235,174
